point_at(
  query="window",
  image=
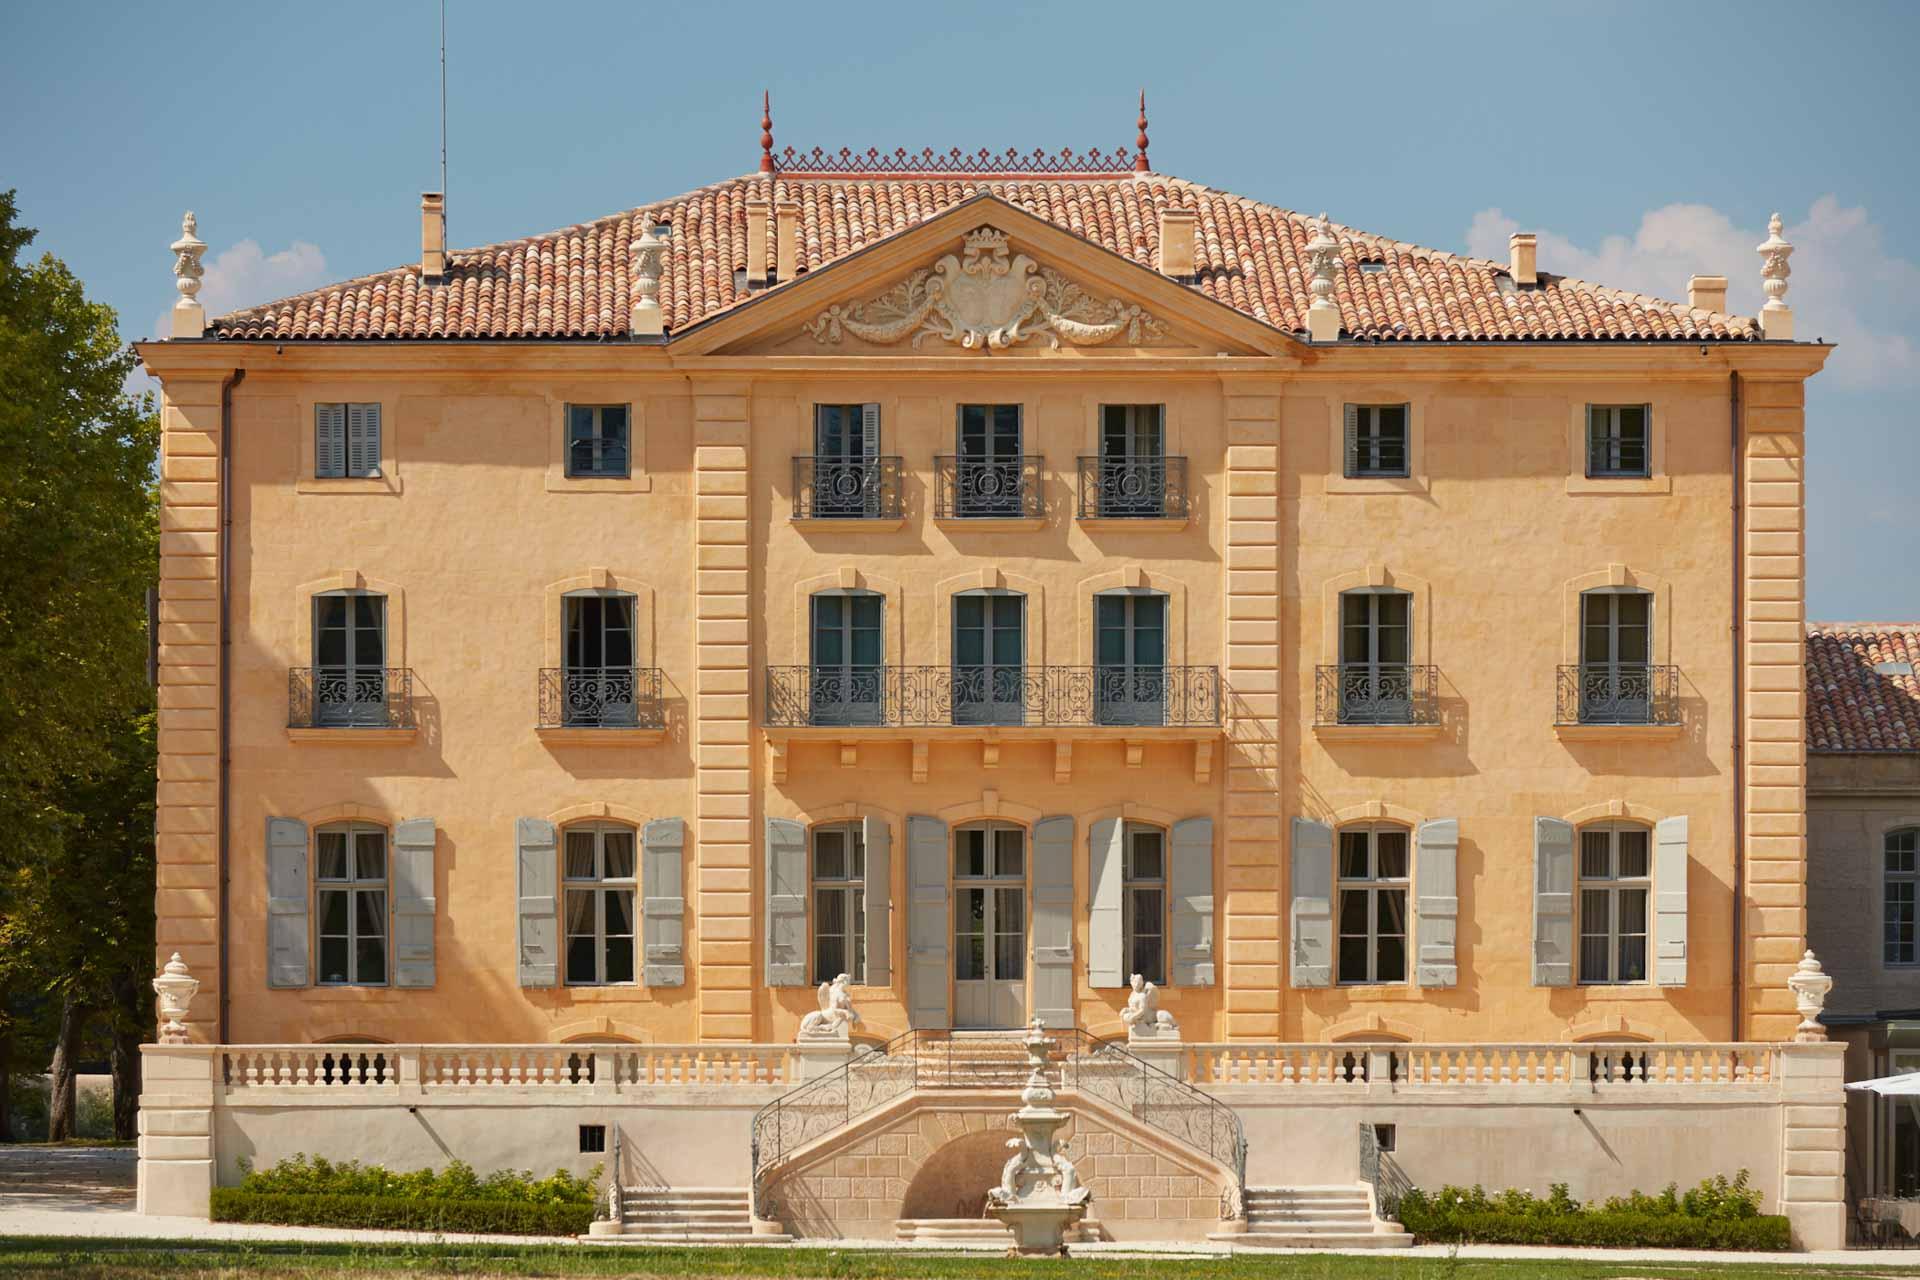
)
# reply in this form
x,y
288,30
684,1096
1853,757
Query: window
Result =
x,y
1373,905
989,473
346,440
1614,863
350,891
599,676
1144,901
989,658
1617,441
593,1139
600,884
349,659
847,674
1616,676
1376,649
1376,438
1131,477
1903,872
839,902
1130,657
990,926
846,476
597,440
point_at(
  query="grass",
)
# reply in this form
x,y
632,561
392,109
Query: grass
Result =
x,y
116,1259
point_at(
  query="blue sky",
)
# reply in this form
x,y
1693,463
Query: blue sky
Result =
x,y
1642,141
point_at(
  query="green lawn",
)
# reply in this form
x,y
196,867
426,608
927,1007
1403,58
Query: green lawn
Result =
x,y
69,1257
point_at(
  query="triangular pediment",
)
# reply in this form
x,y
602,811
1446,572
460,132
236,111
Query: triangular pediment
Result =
x,y
983,278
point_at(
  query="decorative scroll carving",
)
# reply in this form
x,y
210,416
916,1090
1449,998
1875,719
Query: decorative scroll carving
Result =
x,y
988,298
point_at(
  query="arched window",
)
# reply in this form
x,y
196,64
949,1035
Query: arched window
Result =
x,y
349,676
601,879
847,675
1143,905
1373,904
989,657
1615,884
839,902
1376,656
1902,848
350,904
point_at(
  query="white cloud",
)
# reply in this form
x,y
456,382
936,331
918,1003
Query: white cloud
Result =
x,y
245,274
1846,286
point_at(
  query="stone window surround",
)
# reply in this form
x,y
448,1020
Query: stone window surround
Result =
x,y
347,581
1618,576
1658,479
1612,884
598,581
1405,883
1375,576
1416,481
305,481
637,480
846,883
352,885
622,815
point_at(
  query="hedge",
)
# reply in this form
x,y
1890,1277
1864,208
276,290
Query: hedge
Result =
x,y
498,1217
1717,1214
305,1175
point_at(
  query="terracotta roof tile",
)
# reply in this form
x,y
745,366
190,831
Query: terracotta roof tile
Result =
x,y
1850,705
573,283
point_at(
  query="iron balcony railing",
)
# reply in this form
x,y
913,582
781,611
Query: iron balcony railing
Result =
x,y
350,698
924,697
1376,693
987,488
846,488
1133,488
601,698
925,1059
1617,693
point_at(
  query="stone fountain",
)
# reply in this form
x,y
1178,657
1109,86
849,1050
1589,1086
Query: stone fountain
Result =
x,y
1039,1197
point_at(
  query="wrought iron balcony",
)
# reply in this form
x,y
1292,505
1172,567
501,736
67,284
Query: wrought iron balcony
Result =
x,y
1136,488
964,696
988,488
350,698
601,698
846,488
1376,693
1617,693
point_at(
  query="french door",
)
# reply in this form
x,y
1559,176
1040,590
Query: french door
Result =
x,y
1376,681
989,926
846,466
989,472
350,659
848,680
1133,460
989,659
599,676
1130,659
1616,650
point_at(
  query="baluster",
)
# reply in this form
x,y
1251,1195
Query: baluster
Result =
x,y
1505,1060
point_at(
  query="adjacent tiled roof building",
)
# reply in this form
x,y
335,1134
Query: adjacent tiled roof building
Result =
x,y
1862,691
574,283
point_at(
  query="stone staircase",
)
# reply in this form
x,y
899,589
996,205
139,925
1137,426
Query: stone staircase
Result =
x,y
974,1060
1314,1218
689,1215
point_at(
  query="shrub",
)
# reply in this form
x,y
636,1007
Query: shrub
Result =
x,y
401,1213
318,1176
1717,1214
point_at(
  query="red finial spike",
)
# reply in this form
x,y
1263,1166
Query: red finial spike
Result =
x,y
766,132
1140,164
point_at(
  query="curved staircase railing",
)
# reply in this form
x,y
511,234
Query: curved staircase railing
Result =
x,y
927,1059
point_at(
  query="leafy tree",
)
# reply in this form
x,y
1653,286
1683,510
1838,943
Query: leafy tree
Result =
x,y
78,546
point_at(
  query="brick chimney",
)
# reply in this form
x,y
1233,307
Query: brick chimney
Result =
x,y
1707,293
1176,242
786,240
1521,247
757,211
433,234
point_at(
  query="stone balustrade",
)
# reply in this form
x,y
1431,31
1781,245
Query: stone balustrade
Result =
x,y
1599,1065
341,1069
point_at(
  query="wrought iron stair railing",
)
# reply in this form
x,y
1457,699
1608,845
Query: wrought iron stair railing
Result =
x,y
934,1059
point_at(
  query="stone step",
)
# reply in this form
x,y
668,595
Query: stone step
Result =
x,y
976,1231
692,1237
1254,1240
689,1217
1312,1226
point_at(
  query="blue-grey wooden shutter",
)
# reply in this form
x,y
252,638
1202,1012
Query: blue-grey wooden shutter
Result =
x,y
877,836
927,987
870,482
1552,903
1437,906
287,949
1052,882
363,439
537,853
663,903
1311,914
413,903
787,904
1352,436
1670,902
1106,922
329,440
1190,880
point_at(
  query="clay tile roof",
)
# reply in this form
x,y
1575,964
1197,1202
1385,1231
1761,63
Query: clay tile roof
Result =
x,y
1850,705
573,283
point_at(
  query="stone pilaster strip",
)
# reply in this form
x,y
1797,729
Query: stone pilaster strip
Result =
x,y
1813,1144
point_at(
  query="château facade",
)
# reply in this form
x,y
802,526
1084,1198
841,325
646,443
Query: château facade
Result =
x,y
990,579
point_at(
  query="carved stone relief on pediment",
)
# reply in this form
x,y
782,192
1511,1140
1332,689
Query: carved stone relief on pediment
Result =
x,y
988,298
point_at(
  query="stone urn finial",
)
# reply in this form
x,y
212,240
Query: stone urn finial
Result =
x,y
189,316
1776,317
1810,985
175,988
644,316
1323,314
